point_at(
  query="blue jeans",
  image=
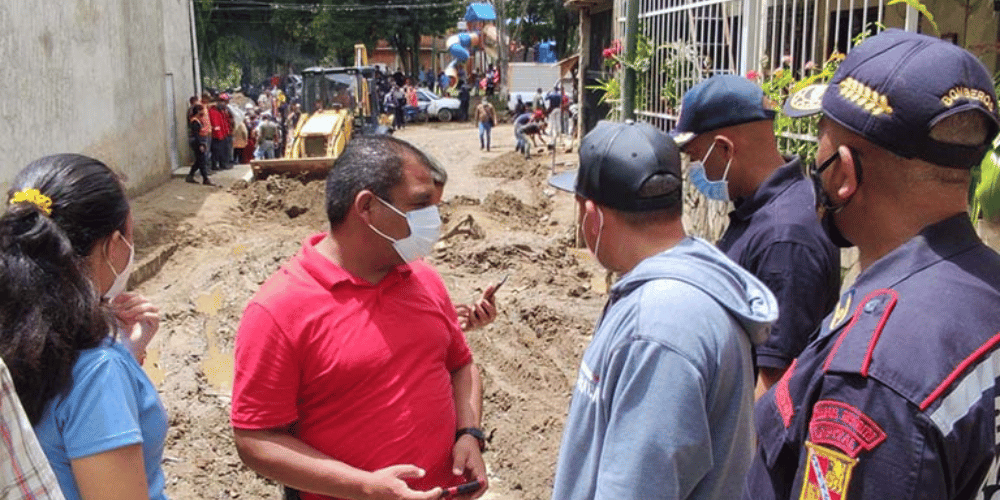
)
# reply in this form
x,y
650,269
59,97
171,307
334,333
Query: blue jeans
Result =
x,y
265,150
522,142
206,140
485,128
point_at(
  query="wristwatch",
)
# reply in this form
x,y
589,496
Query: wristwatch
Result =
x,y
474,432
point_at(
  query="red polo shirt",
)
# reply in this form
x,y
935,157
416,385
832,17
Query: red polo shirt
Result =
x,y
364,370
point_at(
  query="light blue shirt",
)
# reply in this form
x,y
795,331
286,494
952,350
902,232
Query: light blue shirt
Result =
x,y
110,404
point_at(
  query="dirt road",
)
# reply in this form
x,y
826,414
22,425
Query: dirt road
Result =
x,y
205,252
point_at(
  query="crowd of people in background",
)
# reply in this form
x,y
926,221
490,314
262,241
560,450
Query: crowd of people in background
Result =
x,y
221,134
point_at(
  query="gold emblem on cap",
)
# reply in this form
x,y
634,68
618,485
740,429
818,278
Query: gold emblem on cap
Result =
x,y
864,96
968,94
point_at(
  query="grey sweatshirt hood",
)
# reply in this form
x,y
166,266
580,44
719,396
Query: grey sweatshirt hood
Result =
x,y
699,264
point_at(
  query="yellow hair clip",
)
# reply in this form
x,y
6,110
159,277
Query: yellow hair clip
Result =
x,y
35,197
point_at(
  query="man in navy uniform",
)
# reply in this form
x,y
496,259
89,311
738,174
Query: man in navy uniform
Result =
x,y
896,396
726,127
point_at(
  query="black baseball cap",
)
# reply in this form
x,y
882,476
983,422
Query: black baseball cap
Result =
x,y
630,166
894,87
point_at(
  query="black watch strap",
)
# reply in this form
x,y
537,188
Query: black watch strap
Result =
x,y
474,432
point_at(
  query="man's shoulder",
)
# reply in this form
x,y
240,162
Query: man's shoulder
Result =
x,y
423,272
674,299
915,339
288,287
789,217
660,306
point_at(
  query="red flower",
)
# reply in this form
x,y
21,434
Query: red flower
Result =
x,y
753,74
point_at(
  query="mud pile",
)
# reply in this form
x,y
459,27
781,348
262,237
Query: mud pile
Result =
x,y
279,198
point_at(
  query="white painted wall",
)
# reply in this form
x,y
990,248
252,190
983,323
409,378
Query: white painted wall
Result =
x,y
88,76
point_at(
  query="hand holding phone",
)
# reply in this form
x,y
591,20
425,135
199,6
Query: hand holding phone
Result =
x,y
490,293
480,312
463,489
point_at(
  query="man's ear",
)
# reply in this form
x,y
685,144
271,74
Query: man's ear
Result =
x,y
844,175
363,203
589,208
723,144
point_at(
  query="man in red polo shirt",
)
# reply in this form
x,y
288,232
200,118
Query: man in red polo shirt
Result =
x,y
353,378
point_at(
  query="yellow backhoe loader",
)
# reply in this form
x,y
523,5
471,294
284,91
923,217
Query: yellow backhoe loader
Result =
x,y
337,103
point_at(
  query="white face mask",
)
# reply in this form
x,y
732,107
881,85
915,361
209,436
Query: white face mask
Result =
x,y
425,228
121,280
600,232
713,190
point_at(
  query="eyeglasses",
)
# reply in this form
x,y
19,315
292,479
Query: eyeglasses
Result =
x,y
811,170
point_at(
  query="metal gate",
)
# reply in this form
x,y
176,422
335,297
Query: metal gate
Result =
x,y
695,39
690,40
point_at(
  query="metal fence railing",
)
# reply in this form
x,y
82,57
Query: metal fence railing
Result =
x,y
694,39
690,40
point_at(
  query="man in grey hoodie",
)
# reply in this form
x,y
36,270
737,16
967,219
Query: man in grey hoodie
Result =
x,y
662,404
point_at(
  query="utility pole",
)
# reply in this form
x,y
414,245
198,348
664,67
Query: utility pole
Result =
x,y
631,40
196,63
502,42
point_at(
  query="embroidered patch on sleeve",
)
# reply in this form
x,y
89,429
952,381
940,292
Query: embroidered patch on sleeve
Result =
x,y
828,474
844,427
782,397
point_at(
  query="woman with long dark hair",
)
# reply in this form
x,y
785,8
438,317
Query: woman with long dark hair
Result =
x,y
66,253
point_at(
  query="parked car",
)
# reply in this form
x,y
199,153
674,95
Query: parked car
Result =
x,y
444,108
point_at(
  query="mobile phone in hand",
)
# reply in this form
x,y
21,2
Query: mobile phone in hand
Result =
x,y
496,287
463,489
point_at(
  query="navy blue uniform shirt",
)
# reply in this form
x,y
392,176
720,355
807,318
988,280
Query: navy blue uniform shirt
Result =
x,y
896,397
776,235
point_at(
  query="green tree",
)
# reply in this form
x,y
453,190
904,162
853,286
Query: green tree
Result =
x,y
257,39
403,26
534,21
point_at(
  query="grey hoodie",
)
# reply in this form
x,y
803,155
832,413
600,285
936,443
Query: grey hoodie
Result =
x,y
663,398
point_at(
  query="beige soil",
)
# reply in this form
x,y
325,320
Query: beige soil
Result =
x,y
206,251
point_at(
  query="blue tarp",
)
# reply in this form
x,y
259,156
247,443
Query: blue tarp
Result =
x,y
480,12
545,52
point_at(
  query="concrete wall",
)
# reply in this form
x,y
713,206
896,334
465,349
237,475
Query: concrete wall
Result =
x,y
88,76
178,67
972,28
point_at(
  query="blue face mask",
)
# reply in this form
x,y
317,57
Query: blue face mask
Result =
x,y
713,190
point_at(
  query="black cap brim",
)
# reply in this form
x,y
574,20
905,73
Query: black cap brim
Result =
x,y
565,181
806,102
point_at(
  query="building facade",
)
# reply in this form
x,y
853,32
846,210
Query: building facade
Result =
x,y
105,78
